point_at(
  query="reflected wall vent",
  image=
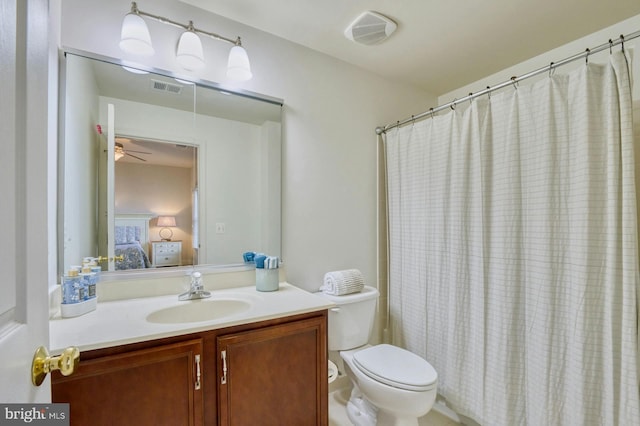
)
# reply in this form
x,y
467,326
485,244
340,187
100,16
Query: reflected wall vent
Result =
x,y
163,86
370,28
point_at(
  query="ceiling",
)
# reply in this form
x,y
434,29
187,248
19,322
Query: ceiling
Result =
x,y
440,45
157,153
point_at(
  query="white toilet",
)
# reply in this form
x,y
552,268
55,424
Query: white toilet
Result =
x,y
391,386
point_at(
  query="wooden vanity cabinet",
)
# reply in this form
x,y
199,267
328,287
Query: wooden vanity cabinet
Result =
x,y
276,374
153,386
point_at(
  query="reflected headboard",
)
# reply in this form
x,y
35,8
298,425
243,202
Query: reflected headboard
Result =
x,y
139,221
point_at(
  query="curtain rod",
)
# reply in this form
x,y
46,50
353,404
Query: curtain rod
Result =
x,y
513,80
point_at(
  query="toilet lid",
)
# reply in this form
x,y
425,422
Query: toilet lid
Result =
x,y
396,367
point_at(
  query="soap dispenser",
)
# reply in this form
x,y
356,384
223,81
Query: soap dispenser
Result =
x,y
72,289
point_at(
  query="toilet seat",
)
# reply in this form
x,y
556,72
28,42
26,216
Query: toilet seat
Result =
x,y
396,367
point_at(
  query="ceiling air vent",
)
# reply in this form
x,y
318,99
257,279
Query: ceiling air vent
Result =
x,y
163,86
370,28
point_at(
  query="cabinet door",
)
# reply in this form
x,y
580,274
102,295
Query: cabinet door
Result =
x,y
276,375
156,386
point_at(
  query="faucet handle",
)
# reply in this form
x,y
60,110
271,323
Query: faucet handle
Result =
x,y
197,288
196,281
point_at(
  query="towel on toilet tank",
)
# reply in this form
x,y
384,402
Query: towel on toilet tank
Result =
x,y
338,283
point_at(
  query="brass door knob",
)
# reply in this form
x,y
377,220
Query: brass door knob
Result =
x,y
43,363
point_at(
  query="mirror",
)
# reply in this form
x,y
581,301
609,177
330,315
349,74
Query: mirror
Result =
x,y
157,172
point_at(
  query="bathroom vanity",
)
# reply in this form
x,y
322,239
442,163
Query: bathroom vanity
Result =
x,y
262,361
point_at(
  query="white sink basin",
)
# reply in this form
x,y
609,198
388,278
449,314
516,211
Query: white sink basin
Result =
x,y
199,311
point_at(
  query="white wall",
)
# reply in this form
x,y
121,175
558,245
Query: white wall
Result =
x,y
81,156
270,190
329,145
230,190
625,27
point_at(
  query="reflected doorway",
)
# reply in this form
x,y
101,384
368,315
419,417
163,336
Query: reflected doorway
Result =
x,y
152,178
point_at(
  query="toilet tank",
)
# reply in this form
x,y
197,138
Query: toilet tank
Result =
x,y
351,321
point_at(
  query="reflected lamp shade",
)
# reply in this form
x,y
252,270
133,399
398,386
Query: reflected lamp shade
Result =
x,y
238,67
165,222
135,37
189,54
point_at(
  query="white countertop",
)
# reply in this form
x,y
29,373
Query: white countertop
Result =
x,y
121,322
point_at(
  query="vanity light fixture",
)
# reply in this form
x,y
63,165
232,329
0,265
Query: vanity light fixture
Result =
x,y
189,54
166,222
135,39
238,67
134,36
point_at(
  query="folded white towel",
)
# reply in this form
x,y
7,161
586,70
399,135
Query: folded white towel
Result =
x,y
338,283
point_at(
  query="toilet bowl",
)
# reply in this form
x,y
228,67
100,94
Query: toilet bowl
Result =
x,y
399,384
391,386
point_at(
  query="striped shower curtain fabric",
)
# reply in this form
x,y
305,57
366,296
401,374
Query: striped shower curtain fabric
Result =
x,y
513,250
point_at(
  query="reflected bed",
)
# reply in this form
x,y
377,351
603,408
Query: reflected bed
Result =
x,y
132,242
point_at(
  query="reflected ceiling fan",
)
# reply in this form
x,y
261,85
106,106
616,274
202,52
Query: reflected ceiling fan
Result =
x,y
120,151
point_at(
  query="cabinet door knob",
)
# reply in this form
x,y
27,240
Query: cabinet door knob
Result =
x,y
43,363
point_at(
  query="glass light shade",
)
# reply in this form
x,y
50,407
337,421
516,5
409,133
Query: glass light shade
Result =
x,y
238,67
189,55
135,37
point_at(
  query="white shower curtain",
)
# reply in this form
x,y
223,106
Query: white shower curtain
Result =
x,y
513,250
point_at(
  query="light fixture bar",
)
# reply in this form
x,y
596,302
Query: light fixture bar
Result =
x,y
187,27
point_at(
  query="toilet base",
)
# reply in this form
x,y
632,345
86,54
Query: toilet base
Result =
x,y
360,411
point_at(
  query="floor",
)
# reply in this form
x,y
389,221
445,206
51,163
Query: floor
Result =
x,y
338,413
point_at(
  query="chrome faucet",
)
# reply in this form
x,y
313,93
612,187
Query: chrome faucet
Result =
x,y
197,290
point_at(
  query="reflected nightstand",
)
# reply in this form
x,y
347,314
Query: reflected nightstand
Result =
x,y
166,253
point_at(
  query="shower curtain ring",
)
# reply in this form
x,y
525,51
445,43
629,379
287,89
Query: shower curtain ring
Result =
x,y
470,97
515,83
431,111
610,46
550,69
489,92
453,104
586,58
622,42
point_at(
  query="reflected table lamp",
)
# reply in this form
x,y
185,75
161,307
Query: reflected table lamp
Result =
x,y
166,223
